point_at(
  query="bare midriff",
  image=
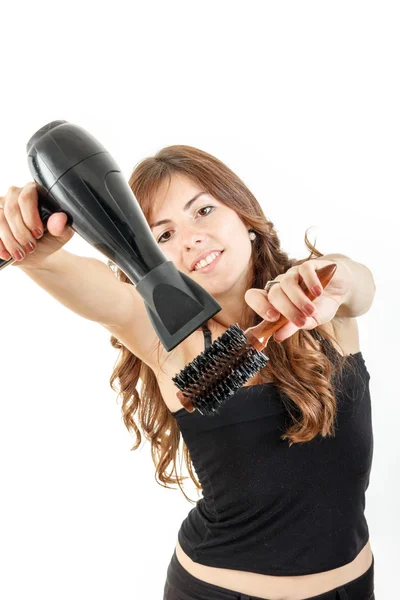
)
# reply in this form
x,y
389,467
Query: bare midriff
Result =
x,y
273,587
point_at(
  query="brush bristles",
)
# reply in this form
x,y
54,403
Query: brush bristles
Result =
x,y
219,371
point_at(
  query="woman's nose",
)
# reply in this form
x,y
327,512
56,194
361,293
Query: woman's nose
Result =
x,y
192,236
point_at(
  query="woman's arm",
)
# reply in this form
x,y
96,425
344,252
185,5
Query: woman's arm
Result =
x,y
86,286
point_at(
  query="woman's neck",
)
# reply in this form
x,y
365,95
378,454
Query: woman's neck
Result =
x,y
233,305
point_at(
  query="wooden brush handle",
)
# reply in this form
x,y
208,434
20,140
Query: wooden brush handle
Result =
x,y
258,335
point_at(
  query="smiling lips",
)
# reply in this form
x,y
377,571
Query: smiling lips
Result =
x,y
207,263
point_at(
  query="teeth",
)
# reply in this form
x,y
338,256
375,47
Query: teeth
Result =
x,y
206,261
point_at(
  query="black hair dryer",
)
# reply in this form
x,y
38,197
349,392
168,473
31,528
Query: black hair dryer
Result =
x,y
76,175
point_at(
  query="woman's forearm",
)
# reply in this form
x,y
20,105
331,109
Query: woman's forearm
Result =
x,y
85,285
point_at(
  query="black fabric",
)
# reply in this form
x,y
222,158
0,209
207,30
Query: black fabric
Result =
x,y
276,509
181,585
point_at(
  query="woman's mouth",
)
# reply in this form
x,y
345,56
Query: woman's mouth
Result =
x,y
210,266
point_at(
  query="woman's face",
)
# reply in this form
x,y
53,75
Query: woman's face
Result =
x,y
206,225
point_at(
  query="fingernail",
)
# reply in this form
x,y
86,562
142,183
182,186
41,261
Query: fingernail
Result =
x,y
272,314
37,233
317,290
18,255
308,309
300,321
29,247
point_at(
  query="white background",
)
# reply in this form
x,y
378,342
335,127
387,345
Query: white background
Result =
x,y
302,100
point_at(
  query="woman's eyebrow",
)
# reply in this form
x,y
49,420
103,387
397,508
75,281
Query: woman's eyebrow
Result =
x,y
185,208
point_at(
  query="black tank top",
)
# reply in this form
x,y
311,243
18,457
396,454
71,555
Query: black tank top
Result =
x,y
273,509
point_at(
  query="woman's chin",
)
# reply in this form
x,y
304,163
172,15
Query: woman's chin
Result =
x,y
214,286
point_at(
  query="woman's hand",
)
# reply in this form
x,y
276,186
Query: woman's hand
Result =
x,y
19,224
288,299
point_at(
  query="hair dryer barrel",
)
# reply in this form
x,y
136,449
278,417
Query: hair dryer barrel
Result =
x,y
77,176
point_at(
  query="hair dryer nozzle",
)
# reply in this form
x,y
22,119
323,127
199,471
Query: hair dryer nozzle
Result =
x,y
176,304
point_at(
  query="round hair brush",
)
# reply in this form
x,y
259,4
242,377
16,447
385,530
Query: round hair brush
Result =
x,y
231,360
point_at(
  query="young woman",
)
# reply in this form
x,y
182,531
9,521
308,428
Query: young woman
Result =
x,y
285,465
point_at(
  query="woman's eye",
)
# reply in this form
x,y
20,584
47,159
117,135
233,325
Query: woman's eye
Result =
x,y
161,236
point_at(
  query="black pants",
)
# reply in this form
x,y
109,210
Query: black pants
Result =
x,y
181,585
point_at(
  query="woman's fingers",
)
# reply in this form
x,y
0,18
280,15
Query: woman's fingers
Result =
x,y
289,299
21,226
265,306
257,300
17,222
56,224
262,303
289,329
289,288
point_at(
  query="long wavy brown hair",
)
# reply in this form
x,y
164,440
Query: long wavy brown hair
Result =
x,y
304,367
